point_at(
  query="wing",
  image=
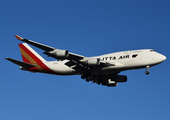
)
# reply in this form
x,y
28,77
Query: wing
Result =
x,y
51,51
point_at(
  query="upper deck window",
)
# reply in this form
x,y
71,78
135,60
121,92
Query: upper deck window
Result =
x,y
134,56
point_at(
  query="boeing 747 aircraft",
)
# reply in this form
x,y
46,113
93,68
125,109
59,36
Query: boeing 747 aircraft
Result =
x,y
102,69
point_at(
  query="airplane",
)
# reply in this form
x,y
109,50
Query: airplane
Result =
x,y
102,69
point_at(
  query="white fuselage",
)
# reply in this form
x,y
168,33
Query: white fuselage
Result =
x,y
118,61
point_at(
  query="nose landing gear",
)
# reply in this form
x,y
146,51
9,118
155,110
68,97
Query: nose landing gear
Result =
x,y
147,70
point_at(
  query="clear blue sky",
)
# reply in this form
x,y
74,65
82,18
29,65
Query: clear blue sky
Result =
x,y
89,28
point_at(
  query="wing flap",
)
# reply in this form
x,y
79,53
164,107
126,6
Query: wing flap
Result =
x,y
23,64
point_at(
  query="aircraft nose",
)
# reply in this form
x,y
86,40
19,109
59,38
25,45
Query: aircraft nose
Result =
x,y
163,58
160,58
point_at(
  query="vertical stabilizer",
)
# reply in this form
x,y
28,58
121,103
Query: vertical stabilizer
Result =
x,y
29,55
32,57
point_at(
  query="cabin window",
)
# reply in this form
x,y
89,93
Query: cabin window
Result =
x,y
152,50
134,56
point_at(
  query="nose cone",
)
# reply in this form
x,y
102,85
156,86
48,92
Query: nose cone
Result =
x,y
163,58
159,58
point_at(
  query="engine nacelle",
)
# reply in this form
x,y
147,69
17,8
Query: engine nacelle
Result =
x,y
113,81
93,61
58,54
121,78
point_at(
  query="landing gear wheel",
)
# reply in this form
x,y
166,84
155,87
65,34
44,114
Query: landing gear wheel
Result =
x,y
83,77
147,72
98,83
87,79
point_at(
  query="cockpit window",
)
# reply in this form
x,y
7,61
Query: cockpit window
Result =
x,y
134,56
152,50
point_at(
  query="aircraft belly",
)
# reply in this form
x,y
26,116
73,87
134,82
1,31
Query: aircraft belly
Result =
x,y
61,69
66,71
111,69
106,70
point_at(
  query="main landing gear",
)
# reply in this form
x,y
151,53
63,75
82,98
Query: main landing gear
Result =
x,y
147,70
86,76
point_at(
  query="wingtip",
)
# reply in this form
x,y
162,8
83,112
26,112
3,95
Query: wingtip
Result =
x,y
8,58
18,37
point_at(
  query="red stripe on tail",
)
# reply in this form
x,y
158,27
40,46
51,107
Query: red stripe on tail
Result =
x,y
36,59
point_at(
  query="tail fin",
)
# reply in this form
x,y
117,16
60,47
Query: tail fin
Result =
x,y
32,57
29,55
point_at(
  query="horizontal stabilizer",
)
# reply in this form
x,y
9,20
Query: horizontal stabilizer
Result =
x,y
23,64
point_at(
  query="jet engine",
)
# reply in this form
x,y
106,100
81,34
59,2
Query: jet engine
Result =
x,y
94,61
113,81
58,54
121,78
